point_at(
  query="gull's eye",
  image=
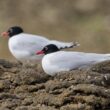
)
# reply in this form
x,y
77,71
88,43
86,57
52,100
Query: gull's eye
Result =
x,y
10,30
46,48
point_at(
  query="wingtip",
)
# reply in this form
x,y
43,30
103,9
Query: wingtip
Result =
x,y
73,44
76,44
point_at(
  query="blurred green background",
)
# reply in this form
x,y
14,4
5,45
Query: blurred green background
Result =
x,y
85,21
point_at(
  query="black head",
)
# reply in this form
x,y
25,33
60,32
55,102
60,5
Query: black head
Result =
x,y
14,31
48,49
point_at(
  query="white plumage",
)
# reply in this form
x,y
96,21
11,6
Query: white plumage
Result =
x,y
23,46
66,60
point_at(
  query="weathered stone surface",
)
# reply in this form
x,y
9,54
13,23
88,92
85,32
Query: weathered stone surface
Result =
x,y
29,88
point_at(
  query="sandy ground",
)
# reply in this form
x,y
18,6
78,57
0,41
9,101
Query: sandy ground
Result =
x,y
25,87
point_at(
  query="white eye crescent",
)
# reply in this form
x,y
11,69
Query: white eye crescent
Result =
x,y
46,48
11,30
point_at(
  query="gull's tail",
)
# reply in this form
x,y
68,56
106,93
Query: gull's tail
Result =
x,y
63,45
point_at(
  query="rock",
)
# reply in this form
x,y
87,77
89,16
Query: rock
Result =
x,y
22,108
29,88
78,106
3,108
54,85
11,104
27,101
33,88
7,95
6,64
30,75
43,107
4,84
103,67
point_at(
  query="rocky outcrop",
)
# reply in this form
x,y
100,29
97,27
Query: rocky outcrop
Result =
x,y
27,87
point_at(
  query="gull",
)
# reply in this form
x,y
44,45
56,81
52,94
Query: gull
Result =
x,y
23,45
55,61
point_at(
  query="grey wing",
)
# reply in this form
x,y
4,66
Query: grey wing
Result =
x,y
72,60
31,43
63,61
